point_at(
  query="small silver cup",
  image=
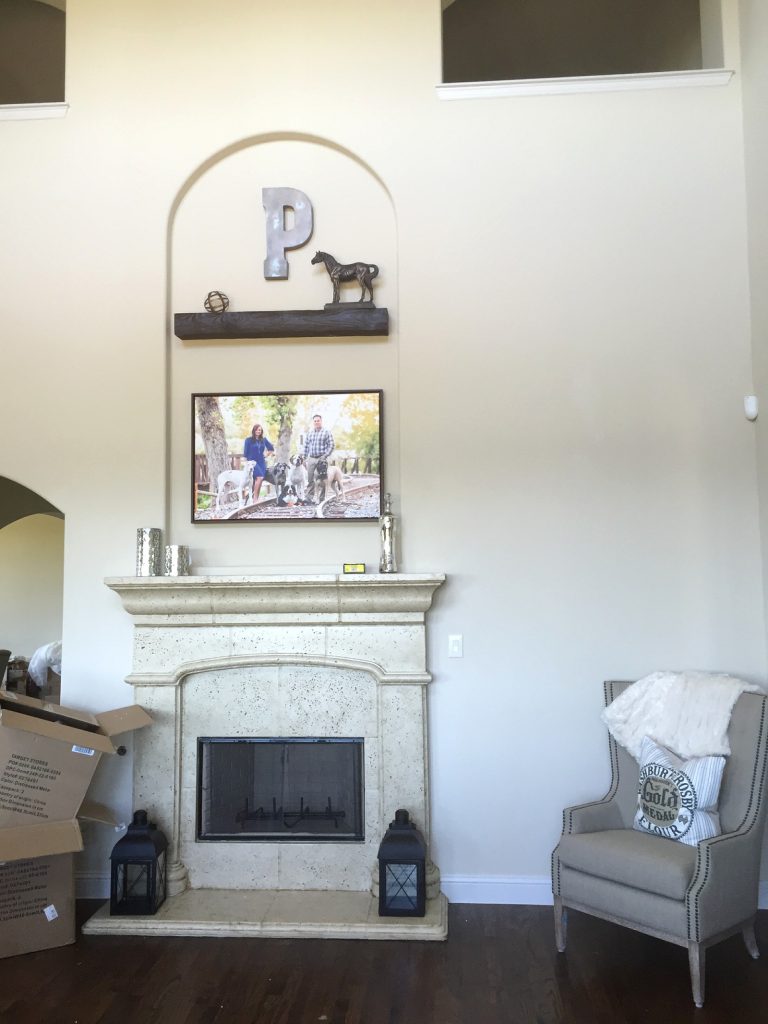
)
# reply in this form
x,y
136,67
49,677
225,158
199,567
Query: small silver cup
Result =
x,y
176,560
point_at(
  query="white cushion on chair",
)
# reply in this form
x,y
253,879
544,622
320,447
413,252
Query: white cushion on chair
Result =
x,y
677,798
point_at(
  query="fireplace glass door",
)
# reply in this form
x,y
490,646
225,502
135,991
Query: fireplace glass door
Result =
x,y
278,789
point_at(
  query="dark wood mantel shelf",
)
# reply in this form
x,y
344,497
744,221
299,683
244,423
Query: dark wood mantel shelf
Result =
x,y
351,322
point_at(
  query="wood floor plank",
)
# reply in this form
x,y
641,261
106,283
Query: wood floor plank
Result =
x,y
499,966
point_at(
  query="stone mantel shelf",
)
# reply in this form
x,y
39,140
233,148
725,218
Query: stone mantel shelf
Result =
x,y
331,596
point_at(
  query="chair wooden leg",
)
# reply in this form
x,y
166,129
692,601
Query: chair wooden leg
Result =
x,y
561,924
696,961
748,931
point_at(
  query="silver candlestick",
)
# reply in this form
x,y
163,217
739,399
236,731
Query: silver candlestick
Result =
x,y
387,525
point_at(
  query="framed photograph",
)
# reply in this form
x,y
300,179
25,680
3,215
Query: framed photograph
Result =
x,y
288,456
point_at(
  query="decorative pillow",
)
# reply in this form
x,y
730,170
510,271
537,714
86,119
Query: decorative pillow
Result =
x,y
677,799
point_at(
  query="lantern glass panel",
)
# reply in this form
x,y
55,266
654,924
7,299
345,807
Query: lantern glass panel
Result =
x,y
401,886
137,882
139,887
133,887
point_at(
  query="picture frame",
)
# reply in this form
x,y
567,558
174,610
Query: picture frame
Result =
x,y
287,456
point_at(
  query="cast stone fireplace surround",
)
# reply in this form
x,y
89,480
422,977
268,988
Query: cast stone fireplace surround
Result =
x,y
284,655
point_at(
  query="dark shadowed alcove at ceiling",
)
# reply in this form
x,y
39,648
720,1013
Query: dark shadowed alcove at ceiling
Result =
x,y
17,501
32,45
504,40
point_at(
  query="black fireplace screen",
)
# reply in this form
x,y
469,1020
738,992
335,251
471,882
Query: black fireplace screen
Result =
x,y
252,790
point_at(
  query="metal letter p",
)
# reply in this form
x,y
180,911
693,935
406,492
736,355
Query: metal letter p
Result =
x,y
275,201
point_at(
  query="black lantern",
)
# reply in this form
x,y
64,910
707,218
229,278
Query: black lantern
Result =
x,y
138,869
402,869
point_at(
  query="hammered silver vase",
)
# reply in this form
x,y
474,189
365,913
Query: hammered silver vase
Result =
x,y
149,555
176,560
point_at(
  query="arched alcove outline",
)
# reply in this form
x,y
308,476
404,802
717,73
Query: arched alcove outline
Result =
x,y
187,185
35,608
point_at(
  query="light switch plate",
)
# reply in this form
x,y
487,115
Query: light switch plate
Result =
x,y
456,646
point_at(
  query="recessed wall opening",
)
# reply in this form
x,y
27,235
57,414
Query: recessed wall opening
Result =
x,y
277,789
31,592
33,35
508,40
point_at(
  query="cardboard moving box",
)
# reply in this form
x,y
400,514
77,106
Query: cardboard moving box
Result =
x,y
37,904
25,841
48,755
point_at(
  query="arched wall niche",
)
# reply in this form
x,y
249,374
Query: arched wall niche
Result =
x,y
217,240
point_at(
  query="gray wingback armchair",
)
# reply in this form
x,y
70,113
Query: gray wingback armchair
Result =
x,y
693,896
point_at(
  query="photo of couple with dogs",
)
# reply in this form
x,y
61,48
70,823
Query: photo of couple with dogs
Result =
x,y
286,456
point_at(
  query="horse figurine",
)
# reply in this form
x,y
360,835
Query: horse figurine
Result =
x,y
338,272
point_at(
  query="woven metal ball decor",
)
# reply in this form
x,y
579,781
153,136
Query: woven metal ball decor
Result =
x,y
216,302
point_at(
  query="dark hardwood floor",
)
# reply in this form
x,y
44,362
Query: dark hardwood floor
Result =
x,y
499,966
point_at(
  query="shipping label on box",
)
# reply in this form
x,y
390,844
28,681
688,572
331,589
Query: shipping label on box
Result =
x,y
40,780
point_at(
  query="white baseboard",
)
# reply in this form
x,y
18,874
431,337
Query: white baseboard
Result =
x,y
531,890
92,885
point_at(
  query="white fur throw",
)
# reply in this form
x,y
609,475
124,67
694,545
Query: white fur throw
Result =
x,y
688,712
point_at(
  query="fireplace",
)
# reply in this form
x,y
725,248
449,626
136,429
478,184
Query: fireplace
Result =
x,y
244,675
279,790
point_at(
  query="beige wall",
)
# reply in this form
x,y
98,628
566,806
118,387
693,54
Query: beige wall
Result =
x,y
567,279
31,583
754,32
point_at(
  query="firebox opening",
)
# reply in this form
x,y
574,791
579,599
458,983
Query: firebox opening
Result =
x,y
271,789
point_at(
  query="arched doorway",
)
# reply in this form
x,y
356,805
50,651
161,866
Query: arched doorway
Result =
x,y
31,575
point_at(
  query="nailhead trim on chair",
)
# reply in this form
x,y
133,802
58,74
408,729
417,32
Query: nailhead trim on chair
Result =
x,y
555,871
754,773
751,813
612,748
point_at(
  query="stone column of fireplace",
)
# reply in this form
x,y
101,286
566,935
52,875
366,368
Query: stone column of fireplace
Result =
x,y
280,656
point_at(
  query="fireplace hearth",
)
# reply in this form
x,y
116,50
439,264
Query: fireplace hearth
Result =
x,y
265,672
